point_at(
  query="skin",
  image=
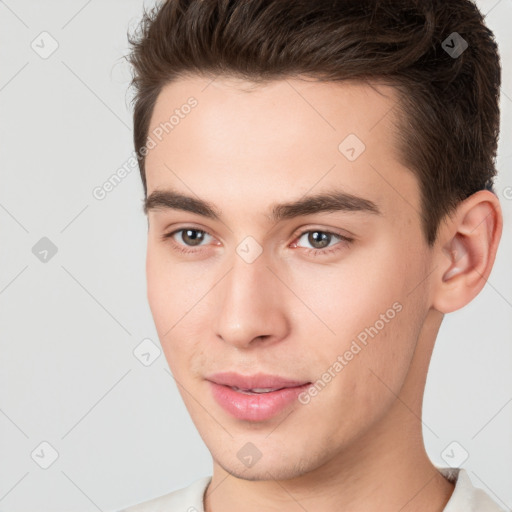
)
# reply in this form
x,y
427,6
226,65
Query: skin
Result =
x,y
358,444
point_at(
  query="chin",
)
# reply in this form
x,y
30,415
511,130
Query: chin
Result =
x,y
269,469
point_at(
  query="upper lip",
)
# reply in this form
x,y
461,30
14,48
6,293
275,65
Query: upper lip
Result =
x,y
258,380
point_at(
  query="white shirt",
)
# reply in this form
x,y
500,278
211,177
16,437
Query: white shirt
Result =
x,y
465,497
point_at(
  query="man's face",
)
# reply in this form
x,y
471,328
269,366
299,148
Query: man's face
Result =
x,y
334,296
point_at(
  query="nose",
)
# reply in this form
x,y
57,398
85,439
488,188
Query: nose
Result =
x,y
251,305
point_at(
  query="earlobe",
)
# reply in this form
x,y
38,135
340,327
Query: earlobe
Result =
x,y
467,249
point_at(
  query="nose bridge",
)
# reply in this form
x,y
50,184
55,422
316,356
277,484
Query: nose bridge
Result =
x,y
248,301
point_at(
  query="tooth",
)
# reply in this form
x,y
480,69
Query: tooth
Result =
x,y
254,390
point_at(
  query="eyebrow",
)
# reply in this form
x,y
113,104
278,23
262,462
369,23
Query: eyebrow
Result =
x,y
323,202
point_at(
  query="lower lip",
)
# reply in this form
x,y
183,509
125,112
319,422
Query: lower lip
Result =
x,y
257,407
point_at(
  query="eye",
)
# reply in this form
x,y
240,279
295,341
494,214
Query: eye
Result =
x,y
320,241
184,240
187,237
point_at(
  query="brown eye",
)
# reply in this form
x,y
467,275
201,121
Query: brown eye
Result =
x,y
319,239
191,237
321,243
189,240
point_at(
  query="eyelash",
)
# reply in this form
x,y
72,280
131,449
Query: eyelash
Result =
x,y
309,251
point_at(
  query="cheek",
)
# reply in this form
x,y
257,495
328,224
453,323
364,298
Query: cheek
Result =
x,y
174,297
158,289
366,314
358,381
350,296
171,292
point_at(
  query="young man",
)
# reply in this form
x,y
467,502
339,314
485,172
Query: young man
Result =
x,y
318,185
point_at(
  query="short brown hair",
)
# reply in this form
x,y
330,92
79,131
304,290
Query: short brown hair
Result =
x,y
448,131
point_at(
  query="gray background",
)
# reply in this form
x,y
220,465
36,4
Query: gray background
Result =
x,y
69,326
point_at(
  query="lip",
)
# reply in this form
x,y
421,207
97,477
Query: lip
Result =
x,y
254,407
258,380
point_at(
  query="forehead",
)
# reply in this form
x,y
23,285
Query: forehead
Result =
x,y
279,112
285,136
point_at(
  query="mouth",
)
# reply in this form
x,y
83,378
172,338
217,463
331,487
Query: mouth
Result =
x,y
255,391
255,398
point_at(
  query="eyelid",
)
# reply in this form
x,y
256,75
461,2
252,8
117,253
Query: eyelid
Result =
x,y
170,234
329,231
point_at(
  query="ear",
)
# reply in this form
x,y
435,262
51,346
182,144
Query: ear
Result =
x,y
465,251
